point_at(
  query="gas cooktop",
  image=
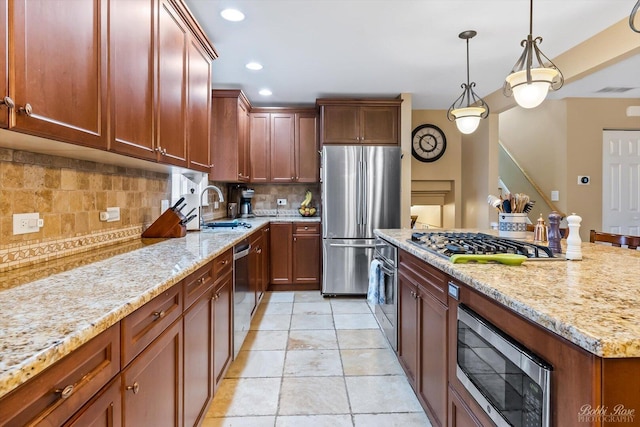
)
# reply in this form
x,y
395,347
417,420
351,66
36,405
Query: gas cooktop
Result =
x,y
447,244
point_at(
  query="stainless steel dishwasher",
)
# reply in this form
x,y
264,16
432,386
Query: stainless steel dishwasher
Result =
x,y
243,298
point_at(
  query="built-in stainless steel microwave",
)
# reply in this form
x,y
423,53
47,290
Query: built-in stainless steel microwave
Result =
x,y
511,384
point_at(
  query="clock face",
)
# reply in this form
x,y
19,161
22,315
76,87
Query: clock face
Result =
x,y
428,143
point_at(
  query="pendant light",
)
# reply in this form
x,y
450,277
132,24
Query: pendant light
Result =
x,y
632,17
469,108
530,83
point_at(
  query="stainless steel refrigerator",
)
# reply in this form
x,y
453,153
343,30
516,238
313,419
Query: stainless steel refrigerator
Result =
x,y
360,192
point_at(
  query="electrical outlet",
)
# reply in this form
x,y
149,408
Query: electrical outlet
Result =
x,y
282,202
27,223
164,205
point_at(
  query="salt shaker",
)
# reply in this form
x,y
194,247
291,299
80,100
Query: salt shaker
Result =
x,y
554,233
574,248
540,233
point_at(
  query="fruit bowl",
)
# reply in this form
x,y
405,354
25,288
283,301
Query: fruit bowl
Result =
x,y
307,211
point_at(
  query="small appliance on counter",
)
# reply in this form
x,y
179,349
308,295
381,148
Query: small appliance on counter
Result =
x,y
245,203
240,196
172,222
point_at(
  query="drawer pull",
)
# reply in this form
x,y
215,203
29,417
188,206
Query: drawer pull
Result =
x,y
135,387
158,314
8,102
306,228
65,392
27,109
224,262
202,280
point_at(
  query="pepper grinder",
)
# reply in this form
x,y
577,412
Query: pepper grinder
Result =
x,y
554,233
540,233
574,249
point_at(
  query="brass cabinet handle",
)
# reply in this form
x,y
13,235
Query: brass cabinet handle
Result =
x,y
259,250
27,109
223,262
8,102
202,280
135,387
158,314
65,392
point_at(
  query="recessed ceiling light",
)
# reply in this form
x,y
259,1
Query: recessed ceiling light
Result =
x,y
265,92
232,15
254,66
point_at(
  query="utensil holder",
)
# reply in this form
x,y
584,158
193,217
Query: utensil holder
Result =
x,y
167,225
512,225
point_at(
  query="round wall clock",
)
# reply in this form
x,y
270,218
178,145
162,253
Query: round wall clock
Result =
x,y
428,143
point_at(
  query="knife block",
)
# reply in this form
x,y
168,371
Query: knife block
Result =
x,y
167,225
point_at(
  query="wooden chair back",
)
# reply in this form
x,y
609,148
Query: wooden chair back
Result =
x,y
618,240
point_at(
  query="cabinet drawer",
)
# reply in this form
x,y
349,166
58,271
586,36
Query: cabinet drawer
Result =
x,y
222,264
424,275
53,396
142,326
306,228
197,284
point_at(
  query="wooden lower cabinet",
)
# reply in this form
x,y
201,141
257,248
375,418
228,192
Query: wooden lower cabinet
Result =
x,y
280,246
295,255
256,265
408,331
459,414
153,382
105,410
222,337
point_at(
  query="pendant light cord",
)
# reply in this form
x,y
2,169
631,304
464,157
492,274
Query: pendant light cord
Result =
x,y
632,17
531,17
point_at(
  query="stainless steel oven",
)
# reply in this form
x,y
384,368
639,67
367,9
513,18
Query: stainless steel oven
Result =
x,y
387,312
510,383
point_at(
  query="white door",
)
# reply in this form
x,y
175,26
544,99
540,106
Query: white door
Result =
x,y
621,182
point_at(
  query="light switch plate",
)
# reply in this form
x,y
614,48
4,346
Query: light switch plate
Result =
x,y
282,202
26,223
555,195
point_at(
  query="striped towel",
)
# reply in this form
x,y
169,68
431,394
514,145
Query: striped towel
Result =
x,y
376,294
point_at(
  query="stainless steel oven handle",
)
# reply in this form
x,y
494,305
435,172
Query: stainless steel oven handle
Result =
x,y
242,254
387,270
488,408
349,245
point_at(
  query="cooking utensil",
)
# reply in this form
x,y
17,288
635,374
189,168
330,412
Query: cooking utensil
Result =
x,y
494,201
528,206
507,259
180,200
506,206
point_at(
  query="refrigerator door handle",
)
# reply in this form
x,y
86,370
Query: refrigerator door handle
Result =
x,y
354,245
363,182
359,194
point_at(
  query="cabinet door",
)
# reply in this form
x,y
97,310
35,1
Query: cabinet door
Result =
x,y
280,251
222,327
259,136
282,147
131,78
266,258
255,268
459,414
306,258
198,107
408,327
171,87
340,124
379,125
60,76
244,165
198,359
153,383
4,59
432,383
105,410
306,148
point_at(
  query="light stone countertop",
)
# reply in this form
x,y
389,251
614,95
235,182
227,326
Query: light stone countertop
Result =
x,y
45,319
594,303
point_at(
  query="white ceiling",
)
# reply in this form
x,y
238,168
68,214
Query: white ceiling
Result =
x,y
322,48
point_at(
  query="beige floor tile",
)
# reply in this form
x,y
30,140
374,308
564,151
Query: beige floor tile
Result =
x,y
370,362
266,340
279,297
275,308
412,419
239,422
381,394
246,397
271,322
314,421
309,296
313,395
350,307
355,321
311,308
257,364
361,338
311,321
317,363
312,339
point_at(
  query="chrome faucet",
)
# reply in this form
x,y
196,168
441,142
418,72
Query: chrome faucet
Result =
x,y
220,197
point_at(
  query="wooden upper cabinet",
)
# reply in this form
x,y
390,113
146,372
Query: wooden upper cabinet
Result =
x,y
282,147
171,86
131,77
307,156
198,106
60,76
4,60
259,137
229,136
355,121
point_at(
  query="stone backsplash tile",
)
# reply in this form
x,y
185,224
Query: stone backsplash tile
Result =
x,y
69,194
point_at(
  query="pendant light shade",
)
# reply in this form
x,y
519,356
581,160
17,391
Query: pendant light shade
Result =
x,y
469,108
632,18
534,74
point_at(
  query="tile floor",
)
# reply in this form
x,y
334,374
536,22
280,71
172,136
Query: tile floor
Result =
x,y
315,362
